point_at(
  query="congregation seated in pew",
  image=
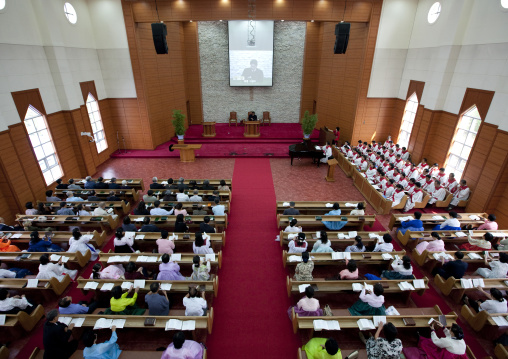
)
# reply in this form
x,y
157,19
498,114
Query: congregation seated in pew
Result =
x,y
498,268
81,243
303,270
456,268
164,244
141,209
201,244
122,304
319,348
298,244
370,302
357,246
200,269
113,271
401,269
322,244
350,272
65,306
436,244
334,225
157,300
109,349
6,272
494,304
307,306
169,270
14,304
183,348
123,242
292,227
478,244
451,223
412,225
195,303
48,270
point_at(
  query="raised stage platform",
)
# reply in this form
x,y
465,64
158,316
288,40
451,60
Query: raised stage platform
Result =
x,y
230,142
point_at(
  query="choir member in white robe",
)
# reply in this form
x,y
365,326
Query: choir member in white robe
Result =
x,y
379,161
422,165
357,161
372,157
451,184
439,193
423,176
371,172
403,181
434,170
441,176
391,172
405,154
411,186
327,152
397,176
399,163
462,194
415,173
429,184
364,165
389,189
397,195
382,182
416,196
408,169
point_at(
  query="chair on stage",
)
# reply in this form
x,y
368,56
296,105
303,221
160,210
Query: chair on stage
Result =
x,y
233,118
266,118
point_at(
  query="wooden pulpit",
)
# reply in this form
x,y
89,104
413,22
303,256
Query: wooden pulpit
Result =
x,y
251,129
186,151
208,129
331,169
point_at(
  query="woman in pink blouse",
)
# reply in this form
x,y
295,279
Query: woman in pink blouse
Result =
x,y
436,244
308,306
490,224
164,244
179,210
351,272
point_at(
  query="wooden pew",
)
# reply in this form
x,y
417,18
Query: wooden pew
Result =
x,y
219,222
446,202
126,354
311,238
186,259
127,194
178,286
74,257
199,181
412,239
343,162
224,195
317,207
105,222
479,321
4,352
427,257
217,240
339,286
501,352
371,194
189,206
138,321
326,258
136,183
421,317
453,286
53,284
58,238
120,207
311,221
26,321
429,222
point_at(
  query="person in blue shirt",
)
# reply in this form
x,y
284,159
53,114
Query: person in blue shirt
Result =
x,y
413,225
107,350
218,209
67,307
335,225
38,245
113,184
89,184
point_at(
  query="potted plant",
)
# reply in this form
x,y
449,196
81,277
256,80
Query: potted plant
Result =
x,y
308,123
179,123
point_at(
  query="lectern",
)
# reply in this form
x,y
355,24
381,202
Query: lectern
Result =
x,y
186,151
251,129
208,129
331,169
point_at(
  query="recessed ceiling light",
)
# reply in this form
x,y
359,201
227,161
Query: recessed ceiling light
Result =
x,y
282,20
220,20
190,20
311,20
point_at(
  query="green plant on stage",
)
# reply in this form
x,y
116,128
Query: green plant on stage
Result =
x,y
308,123
179,122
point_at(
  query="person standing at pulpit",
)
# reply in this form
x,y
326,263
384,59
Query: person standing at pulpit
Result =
x,y
253,116
327,152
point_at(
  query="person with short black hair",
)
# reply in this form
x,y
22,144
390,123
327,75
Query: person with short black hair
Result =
x,y
149,196
81,243
461,194
169,270
65,306
334,225
307,306
182,348
157,211
109,349
383,348
223,186
64,210
489,225
370,303
402,269
412,225
61,185
38,244
319,348
359,210
113,197
49,270
456,268
92,196
498,269
50,197
56,338
303,270
127,225
291,211
15,304
171,184
157,304
205,227
121,303
195,304
164,244
436,244
147,227
30,210
451,224
384,245
73,185
181,196
202,244
112,184
100,184
218,209
133,273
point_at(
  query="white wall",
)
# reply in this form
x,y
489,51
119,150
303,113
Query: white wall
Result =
x,y
40,49
466,47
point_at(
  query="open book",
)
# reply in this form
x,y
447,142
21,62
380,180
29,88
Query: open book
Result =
x,y
474,256
320,324
419,284
341,255
406,286
103,323
91,285
295,258
175,324
365,324
107,286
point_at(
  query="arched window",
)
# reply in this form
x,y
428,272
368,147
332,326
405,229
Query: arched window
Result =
x,y
463,142
96,121
408,120
42,144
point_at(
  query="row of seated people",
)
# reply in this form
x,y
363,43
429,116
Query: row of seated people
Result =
x,y
382,169
80,209
180,226
218,209
192,185
181,196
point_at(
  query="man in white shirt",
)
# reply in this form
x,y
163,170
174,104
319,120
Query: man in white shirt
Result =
x,y
462,194
405,154
194,305
384,245
450,224
101,210
13,305
72,198
416,196
451,184
195,197
439,193
218,209
156,211
5,273
182,197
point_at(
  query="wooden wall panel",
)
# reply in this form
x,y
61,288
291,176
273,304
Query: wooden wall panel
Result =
x,y
206,10
192,72
311,66
8,203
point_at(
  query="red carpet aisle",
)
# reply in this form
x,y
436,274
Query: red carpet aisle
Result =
x,y
250,310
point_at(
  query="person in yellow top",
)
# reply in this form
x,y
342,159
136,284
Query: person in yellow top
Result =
x,y
120,304
322,348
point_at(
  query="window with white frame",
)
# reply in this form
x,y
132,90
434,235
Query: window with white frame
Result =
x,y
96,121
463,142
43,146
408,120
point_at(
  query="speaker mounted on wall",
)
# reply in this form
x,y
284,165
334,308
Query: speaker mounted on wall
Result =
x,y
159,33
341,37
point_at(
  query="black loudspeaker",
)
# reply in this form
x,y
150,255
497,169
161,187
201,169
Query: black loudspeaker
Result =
x,y
159,33
341,37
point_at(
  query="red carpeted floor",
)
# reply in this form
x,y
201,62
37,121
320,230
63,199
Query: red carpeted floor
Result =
x,y
250,311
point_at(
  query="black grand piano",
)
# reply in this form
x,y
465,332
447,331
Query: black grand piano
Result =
x,y
305,149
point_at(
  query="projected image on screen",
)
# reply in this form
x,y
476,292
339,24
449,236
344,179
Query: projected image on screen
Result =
x,y
250,53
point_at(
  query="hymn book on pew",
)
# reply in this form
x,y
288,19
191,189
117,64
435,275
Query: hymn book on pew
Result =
x,y
320,324
341,255
474,256
107,286
175,324
146,259
365,324
406,286
104,323
127,285
175,257
166,286
78,322
468,283
295,258
91,285
500,321
419,283
32,283
115,259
